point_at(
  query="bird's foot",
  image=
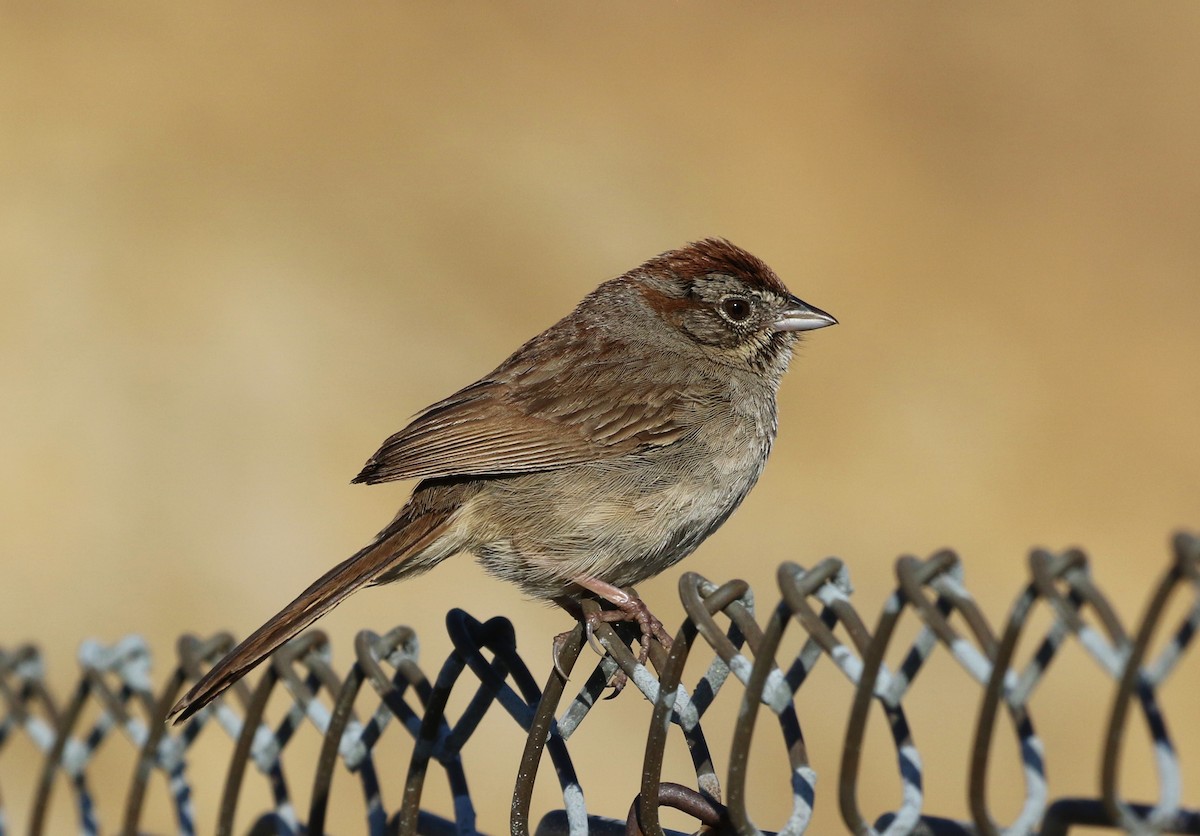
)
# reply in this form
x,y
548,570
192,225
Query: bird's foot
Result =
x,y
629,607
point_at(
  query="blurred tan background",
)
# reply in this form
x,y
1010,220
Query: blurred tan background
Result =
x,y
242,244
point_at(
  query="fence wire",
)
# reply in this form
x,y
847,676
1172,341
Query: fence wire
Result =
x,y
116,685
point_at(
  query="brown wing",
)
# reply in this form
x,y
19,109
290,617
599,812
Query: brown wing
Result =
x,y
524,420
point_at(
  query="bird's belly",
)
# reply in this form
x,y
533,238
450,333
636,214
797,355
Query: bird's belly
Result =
x,y
620,521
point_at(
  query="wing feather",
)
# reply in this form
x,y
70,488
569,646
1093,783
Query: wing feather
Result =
x,y
503,425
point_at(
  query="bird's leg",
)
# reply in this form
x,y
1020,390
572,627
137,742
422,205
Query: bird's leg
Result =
x,y
629,608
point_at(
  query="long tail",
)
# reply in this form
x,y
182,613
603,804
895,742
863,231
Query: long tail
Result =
x,y
406,537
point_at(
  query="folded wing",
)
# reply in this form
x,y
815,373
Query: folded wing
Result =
x,y
503,426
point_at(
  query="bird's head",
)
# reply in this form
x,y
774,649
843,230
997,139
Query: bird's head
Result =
x,y
717,295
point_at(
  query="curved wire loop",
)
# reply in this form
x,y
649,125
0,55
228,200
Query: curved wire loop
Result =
x,y
116,678
1142,679
29,708
114,691
978,657
875,682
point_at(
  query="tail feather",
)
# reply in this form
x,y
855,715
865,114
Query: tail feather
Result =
x,y
403,539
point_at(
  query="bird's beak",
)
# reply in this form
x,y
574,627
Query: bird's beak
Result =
x,y
800,316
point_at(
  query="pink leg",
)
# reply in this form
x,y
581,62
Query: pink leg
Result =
x,y
629,608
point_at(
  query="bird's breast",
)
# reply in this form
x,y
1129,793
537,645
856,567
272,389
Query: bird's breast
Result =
x,y
625,519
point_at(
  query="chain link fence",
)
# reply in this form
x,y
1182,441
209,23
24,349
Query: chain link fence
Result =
x,y
116,685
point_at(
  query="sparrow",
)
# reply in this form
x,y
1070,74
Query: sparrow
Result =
x,y
600,454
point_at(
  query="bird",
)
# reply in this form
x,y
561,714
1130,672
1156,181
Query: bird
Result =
x,y
598,455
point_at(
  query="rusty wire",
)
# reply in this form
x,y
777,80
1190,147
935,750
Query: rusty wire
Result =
x,y
115,684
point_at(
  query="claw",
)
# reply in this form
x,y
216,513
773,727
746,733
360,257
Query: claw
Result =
x,y
556,653
589,628
617,683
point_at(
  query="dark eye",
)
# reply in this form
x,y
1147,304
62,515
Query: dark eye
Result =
x,y
736,308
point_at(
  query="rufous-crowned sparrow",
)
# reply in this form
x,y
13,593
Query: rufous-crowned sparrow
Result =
x,y
599,454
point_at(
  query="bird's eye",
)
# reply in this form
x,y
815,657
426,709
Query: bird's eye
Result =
x,y
736,308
